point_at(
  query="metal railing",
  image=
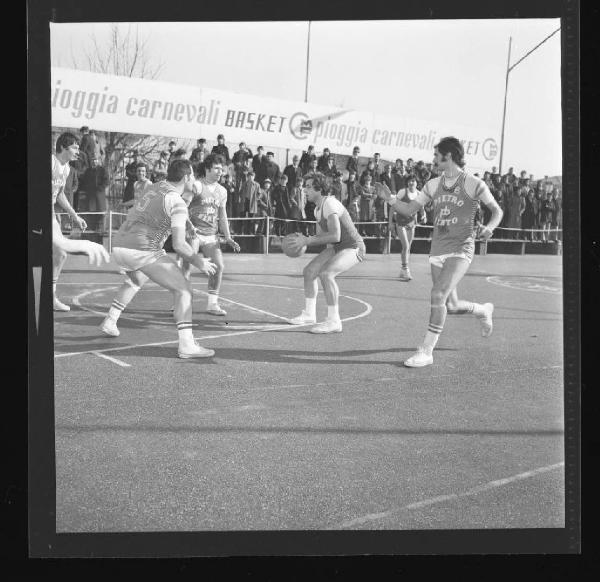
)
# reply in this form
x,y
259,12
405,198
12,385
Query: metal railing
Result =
x,y
267,227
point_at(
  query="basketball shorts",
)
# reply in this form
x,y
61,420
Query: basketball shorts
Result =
x,y
133,259
439,260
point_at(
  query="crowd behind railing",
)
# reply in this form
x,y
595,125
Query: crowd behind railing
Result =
x,y
257,188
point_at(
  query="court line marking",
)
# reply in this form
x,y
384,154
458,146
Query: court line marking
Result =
x,y
111,359
452,496
273,327
494,279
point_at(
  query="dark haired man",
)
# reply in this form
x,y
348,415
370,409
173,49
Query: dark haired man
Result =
x,y
196,155
345,248
455,196
353,161
306,159
138,249
221,149
258,164
272,170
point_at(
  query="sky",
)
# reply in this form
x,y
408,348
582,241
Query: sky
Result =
x,y
429,70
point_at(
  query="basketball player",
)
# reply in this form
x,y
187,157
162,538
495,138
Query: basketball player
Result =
x,y
345,248
207,214
455,196
67,150
406,226
138,249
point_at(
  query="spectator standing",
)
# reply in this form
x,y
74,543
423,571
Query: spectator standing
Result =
x,y
557,215
399,176
264,205
293,172
409,169
528,217
322,161
495,174
131,175
160,166
387,178
297,204
309,209
248,200
516,207
307,158
272,170
171,150
366,203
353,162
330,170
227,183
353,192
198,151
377,168
87,147
239,161
178,154
548,213
259,162
368,171
72,184
510,177
94,183
337,188
281,206
221,149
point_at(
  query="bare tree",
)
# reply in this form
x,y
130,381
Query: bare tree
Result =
x,y
124,54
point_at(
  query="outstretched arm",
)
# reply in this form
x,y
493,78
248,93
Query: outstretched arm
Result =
x,y
64,203
406,209
97,253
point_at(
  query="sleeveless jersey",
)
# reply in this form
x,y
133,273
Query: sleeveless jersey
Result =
x,y
150,219
60,173
349,239
454,209
402,220
204,207
139,187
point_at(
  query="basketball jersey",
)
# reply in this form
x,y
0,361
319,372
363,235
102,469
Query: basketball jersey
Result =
x,y
139,188
151,218
204,207
454,209
60,173
403,220
349,237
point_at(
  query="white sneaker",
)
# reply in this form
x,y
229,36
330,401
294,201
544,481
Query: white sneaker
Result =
x,y
215,309
419,359
328,326
109,327
194,351
485,320
405,275
60,306
303,318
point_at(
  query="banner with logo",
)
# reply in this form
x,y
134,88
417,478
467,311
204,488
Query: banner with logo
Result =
x,y
142,106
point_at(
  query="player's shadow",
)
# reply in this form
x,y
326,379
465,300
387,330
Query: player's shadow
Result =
x,y
283,356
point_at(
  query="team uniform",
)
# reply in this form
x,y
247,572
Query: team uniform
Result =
x,y
140,187
60,173
454,210
349,239
405,229
204,211
140,240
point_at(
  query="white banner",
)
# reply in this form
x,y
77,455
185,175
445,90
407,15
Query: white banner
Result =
x,y
141,106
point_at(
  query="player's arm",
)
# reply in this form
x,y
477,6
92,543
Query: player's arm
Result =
x,y
97,253
224,228
333,234
64,203
406,209
485,196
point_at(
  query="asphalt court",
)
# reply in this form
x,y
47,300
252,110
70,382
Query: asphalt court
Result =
x,y
284,429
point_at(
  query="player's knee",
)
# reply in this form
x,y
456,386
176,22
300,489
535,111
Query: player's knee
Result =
x,y
309,273
327,276
438,297
132,284
59,254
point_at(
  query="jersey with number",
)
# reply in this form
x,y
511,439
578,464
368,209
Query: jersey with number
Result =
x,y
349,237
140,187
60,173
204,207
454,209
151,218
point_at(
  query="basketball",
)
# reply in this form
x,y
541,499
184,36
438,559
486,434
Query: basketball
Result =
x,y
286,246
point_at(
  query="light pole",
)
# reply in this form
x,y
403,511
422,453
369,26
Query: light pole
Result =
x,y
509,68
307,62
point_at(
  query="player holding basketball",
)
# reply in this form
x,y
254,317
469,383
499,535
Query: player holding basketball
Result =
x,y
345,248
456,196
207,214
138,249
67,150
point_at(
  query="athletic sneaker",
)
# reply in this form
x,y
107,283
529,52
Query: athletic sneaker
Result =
x,y
328,326
486,320
109,327
419,359
60,306
303,318
405,275
195,351
215,310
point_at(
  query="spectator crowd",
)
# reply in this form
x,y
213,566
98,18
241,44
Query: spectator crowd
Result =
x,y
257,187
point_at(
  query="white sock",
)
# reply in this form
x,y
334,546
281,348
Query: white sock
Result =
x,y
310,305
478,310
184,331
54,289
115,310
333,312
213,299
430,341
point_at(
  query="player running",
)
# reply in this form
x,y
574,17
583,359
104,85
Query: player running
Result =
x,y
456,196
345,248
138,249
207,214
67,150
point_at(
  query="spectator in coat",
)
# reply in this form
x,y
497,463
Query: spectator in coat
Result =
x,y
248,199
171,149
322,160
337,188
399,175
309,209
293,172
199,152
131,175
297,204
178,154
272,170
353,191
368,171
160,166
87,147
307,158
280,203
221,149
227,183
259,162
94,183
239,161
387,178
366,204
377,167
264,205
330,170
528,218
353,162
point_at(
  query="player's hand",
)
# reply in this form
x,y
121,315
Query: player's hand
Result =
x,y
485,232
96,253
424,219
298,242
82,224
233,245
208,267
382,190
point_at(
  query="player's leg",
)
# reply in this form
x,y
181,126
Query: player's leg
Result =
x,y
310,274
338,263
167,274
445,278
483,312
213,252
406,235
134,281
58,260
